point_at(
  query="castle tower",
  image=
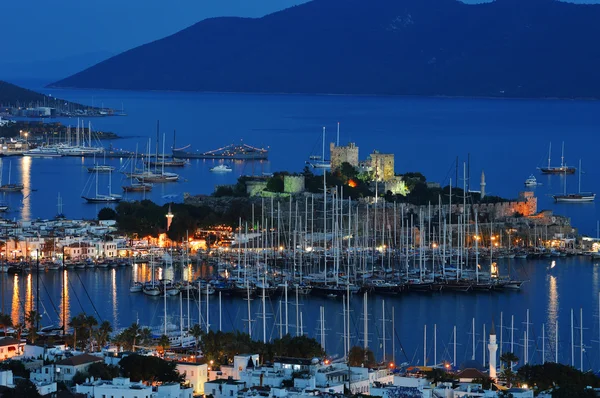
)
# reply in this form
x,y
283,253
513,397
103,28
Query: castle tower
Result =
x,y
482,184
492,349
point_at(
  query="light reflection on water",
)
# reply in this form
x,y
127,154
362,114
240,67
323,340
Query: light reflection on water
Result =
x,y
26,181
16,304
29,296
113,289
548,296
552,312
65,307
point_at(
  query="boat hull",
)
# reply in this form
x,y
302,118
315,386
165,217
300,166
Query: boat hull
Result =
x,y
557,170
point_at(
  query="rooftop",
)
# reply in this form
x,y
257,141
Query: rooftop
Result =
x,y
79,360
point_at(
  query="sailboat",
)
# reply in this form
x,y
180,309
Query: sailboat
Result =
x,y
99,198
151,289
100,168
579,197
9,187
172,162
136,186
319,162
155,176
563,168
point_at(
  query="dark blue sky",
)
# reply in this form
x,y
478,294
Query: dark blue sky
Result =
x,y
41,30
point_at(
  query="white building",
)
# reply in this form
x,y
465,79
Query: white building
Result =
x,y
196,375
67,368
44,388
118,387
11,347
122,387
223,388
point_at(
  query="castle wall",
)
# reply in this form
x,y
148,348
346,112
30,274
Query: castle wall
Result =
x,y
341,154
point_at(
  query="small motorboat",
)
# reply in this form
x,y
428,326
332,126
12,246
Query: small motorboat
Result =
x,y
531,181
222,168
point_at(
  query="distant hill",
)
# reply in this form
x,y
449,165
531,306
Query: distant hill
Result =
x,y
13,95
512,48
13,100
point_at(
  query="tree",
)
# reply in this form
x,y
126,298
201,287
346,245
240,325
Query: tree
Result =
x,y
19,328
359,356
486,382
100,370
103,333
275,184
163,344
149,368
79,377
106,213
17,367
197,332
90,323
508,376
509,358
32,319
550,375
5,322
78,324
348,171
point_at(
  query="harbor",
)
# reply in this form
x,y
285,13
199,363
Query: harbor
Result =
x,y
412,265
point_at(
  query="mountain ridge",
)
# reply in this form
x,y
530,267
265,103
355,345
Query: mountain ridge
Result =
x,y
512,48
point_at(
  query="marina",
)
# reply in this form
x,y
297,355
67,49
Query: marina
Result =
x,y
440,286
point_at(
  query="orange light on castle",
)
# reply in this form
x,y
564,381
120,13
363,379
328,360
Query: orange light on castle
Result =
x,y
352,183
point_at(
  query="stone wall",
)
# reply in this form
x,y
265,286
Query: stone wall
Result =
x,y
382,164
341,154
397,186
255,188
293,184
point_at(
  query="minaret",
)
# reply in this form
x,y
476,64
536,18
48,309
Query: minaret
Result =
x,y
492,349
482,184
169,218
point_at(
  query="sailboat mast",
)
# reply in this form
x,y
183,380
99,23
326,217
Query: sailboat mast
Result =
x,y
549,153
163,156
323,153
579,176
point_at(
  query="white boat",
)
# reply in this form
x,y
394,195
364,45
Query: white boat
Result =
x,y
151,290
43,152
579,197
136,287
101,168
531,181
222,168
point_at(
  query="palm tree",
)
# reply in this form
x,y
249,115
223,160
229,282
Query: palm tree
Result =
x,y
163,344
133,332
19,327
90,323
145,335
509,358
32,318
77,323
5,322
197,332
103,332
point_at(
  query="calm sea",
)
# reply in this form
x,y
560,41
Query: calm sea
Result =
x,y
507,139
